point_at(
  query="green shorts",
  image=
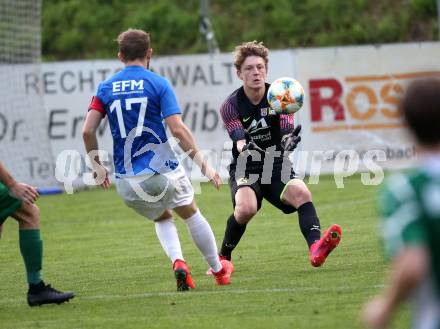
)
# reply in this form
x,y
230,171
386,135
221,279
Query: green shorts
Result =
x,y
8,204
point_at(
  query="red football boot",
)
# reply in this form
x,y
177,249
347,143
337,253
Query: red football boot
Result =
x,y
183,276
223,277
209,271
322,248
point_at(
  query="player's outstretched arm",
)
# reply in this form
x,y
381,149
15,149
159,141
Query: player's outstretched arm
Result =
x,y
91,124
186,141
21,191
409,269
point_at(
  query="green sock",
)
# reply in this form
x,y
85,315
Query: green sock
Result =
x,y
31,247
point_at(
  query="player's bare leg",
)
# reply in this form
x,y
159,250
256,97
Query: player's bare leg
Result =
x,y
298,195
245,205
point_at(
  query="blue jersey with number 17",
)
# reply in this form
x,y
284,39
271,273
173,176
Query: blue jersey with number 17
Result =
x,y
136,102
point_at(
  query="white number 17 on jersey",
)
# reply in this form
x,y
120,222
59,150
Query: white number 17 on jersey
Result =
x,y
116,105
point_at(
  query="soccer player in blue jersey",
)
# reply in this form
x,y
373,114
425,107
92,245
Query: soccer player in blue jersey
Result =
x,y
149,177
18,201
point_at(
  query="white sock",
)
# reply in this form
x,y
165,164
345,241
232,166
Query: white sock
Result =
x,y
203,238
169,239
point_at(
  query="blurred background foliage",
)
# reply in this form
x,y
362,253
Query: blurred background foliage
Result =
x,y
80,29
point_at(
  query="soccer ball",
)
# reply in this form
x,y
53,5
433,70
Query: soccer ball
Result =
x,y
285,95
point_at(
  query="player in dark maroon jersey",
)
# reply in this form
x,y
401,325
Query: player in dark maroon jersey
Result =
x,y
260,169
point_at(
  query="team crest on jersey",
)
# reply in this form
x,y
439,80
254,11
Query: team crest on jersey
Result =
x,y
265,111
242,181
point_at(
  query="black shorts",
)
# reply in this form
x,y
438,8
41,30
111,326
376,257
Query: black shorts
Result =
x,y
263,190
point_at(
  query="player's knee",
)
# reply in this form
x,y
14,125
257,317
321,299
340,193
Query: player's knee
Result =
x,y
32,217
297,194
244,213
304,196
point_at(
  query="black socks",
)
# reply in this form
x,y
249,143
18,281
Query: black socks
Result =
x,y
309,223
233,233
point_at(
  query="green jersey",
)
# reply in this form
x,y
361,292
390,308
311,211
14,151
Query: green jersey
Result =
x,y
410,207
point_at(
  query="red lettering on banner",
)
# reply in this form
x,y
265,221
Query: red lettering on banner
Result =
x,y
317,101
369,102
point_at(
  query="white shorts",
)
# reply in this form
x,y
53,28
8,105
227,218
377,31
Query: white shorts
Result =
x,y
150,195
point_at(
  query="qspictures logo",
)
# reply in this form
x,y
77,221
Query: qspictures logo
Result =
x,y
359,102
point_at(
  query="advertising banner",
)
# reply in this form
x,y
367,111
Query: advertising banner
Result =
x,y
349,117
353,95
201,84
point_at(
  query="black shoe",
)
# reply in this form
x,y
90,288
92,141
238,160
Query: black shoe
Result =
x,y
41,293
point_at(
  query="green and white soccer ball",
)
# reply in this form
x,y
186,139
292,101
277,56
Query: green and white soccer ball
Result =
x,y
285,95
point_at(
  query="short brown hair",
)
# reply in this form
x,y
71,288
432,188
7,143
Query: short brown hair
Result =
x,y
133,44
421,109
252,48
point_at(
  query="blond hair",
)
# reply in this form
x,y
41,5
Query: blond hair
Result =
x,y
252,48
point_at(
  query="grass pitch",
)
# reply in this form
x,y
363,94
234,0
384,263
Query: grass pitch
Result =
x,y
111,258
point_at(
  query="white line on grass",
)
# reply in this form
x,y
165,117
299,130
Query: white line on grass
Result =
x,y
196,292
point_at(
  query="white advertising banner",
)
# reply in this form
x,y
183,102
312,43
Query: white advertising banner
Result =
x,y
68,88
352,96
350,107
201,84
24,144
